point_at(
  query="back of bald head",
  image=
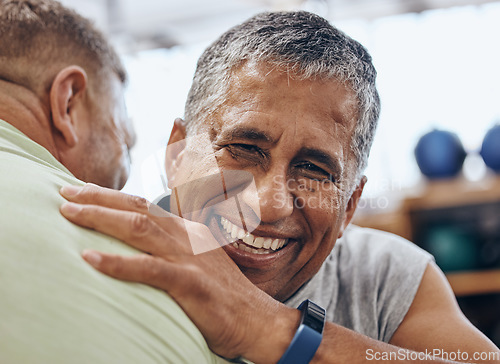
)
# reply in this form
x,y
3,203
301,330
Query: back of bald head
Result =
x,y
38,38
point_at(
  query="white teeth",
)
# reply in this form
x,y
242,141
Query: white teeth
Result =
x,y
262,244
248,239
250,250
259,243
267,243
234,231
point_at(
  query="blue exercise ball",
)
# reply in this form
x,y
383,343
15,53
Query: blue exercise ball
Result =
x,y
490,150
440,154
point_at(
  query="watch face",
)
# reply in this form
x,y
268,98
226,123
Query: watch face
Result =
x,y
314,316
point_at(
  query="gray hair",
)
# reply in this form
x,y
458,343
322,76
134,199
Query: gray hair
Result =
x,y
305,45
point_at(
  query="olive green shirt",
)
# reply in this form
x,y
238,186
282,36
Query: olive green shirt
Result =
x,y
54,307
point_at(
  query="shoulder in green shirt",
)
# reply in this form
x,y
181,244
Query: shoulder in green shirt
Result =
x,y
56,308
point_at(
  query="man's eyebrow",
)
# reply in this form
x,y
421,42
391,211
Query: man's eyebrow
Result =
x,y
323,157
249,134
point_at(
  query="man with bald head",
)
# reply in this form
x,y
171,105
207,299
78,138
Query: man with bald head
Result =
x,y
63,121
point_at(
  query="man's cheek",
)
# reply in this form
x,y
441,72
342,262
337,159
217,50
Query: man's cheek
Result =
x,y
280,200
223,197
207,198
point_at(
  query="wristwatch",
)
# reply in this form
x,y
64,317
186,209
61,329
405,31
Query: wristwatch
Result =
x,y
308,336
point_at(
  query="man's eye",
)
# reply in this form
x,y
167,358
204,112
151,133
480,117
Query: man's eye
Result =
x,y
246,147
246,152
312,171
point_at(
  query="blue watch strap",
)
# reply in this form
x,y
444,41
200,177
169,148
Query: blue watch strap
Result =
x,y
308,336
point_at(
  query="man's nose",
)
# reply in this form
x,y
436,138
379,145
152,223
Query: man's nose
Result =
x,y
272,197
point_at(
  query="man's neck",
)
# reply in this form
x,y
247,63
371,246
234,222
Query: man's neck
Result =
x,y
23,109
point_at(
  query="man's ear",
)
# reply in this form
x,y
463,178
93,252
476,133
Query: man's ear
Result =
x,y
352,204
66,91
175,150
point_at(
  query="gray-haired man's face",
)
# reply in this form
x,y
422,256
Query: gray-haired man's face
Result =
x,y
294,138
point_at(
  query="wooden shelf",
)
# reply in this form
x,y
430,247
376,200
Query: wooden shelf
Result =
x,y
394,222
472,283
455,192
434,197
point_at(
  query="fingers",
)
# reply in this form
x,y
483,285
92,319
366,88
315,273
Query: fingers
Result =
x,y
135,221
96,195
136,229
138,268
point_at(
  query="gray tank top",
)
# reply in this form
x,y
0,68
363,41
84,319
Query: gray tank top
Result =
x,y
368,282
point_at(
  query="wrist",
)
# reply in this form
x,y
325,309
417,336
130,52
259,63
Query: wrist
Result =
x,y
276,334
308,337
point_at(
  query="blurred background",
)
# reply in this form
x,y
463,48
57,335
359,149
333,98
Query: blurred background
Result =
x,y
438,76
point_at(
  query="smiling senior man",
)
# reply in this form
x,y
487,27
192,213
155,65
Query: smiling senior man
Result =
x,y
291,100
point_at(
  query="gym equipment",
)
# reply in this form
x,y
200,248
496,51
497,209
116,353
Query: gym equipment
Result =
x,y
490,149
440,154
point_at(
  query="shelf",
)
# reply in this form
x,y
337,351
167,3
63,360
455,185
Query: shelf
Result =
x,y
392,222
455,192
475,283
469,208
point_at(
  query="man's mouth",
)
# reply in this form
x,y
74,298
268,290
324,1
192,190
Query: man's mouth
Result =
x,y
249,242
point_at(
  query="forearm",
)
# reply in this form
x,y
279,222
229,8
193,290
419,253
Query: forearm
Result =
x,y
275,336
341,345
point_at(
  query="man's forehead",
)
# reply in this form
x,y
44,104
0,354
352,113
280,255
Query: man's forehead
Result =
x,y
251,79
260,89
